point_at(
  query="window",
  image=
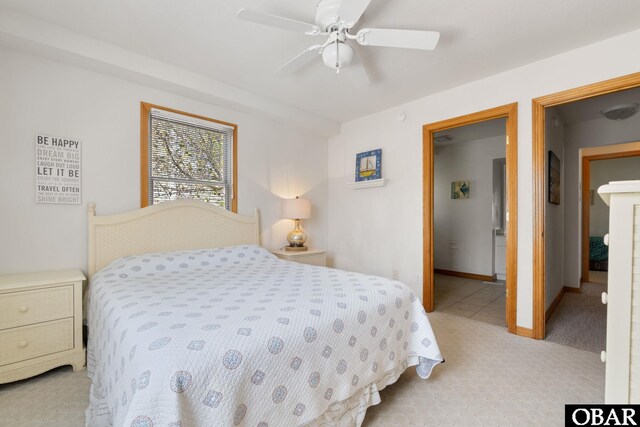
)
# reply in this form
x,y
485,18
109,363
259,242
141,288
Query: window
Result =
x,y
184,156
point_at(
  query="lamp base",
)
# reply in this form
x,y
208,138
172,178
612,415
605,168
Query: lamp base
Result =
x,y
296,238
295,248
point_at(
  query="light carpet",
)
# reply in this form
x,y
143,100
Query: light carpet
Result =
x,y
490,377
580,319
598,276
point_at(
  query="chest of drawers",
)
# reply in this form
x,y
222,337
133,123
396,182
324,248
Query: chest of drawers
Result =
x,y
622,355
40,323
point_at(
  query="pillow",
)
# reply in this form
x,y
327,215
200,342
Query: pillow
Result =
x,y
170,262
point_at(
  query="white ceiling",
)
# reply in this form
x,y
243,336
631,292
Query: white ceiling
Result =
x,y
479,38
482,130
589,109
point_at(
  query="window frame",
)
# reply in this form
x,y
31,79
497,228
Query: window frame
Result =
x,y
145,115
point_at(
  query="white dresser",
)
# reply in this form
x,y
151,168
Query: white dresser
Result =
x,y
40,323
310,256
622,355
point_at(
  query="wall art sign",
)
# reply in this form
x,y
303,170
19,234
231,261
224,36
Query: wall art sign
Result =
x,y
58,170
369,165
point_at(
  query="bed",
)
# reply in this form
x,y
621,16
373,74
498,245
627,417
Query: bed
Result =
x,y
192,323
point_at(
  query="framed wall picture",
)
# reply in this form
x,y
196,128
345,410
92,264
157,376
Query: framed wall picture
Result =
x,y
460,189
369,165
554,178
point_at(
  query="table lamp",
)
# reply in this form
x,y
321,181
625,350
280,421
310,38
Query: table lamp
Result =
x,y
296,209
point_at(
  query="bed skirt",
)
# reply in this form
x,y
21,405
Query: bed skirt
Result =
x,y
351,412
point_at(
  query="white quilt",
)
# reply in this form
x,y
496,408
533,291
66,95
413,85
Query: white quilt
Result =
x,y
235,336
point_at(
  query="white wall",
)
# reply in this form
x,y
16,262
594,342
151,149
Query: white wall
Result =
x,y
42,96
591,133
463,236
375,230
554,214
601,173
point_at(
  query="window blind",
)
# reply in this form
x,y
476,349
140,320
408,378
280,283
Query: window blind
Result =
x,y
189,158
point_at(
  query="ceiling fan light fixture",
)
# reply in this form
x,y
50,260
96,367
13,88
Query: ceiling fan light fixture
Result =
x,y
337,55
338,19
620,111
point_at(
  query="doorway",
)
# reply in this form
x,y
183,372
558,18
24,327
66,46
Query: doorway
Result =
x,y
599,166
541,108
509,114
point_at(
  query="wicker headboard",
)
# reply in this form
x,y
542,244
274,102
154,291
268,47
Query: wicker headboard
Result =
x,y
169,226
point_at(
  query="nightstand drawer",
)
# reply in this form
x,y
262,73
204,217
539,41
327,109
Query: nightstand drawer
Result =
x,y
316,259
28,307
311,256
27,342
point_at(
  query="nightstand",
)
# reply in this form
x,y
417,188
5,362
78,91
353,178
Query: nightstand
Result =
x,y
40,323
310,256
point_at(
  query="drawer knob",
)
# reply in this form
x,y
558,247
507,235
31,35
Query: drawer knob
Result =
x,y
23,344
603,356
23,309
606,239
605,298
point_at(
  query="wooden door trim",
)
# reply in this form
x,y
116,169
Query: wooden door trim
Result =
x,y
539,106
614,153
510,112
584,229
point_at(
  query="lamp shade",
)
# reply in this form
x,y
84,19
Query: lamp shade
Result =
x,y
296,208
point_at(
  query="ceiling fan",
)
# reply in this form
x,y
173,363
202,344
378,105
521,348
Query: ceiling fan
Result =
x,y
335,19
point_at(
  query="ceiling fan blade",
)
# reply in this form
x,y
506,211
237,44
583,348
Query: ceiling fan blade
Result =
x,y
410,39
351,10
299,61
277,21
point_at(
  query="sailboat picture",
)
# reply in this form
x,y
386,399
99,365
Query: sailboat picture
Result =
x,y
368,165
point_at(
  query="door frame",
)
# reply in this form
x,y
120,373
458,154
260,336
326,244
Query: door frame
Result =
x,y
510,112
539,105
616,151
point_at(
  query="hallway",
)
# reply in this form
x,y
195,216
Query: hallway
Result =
x,y
580,319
